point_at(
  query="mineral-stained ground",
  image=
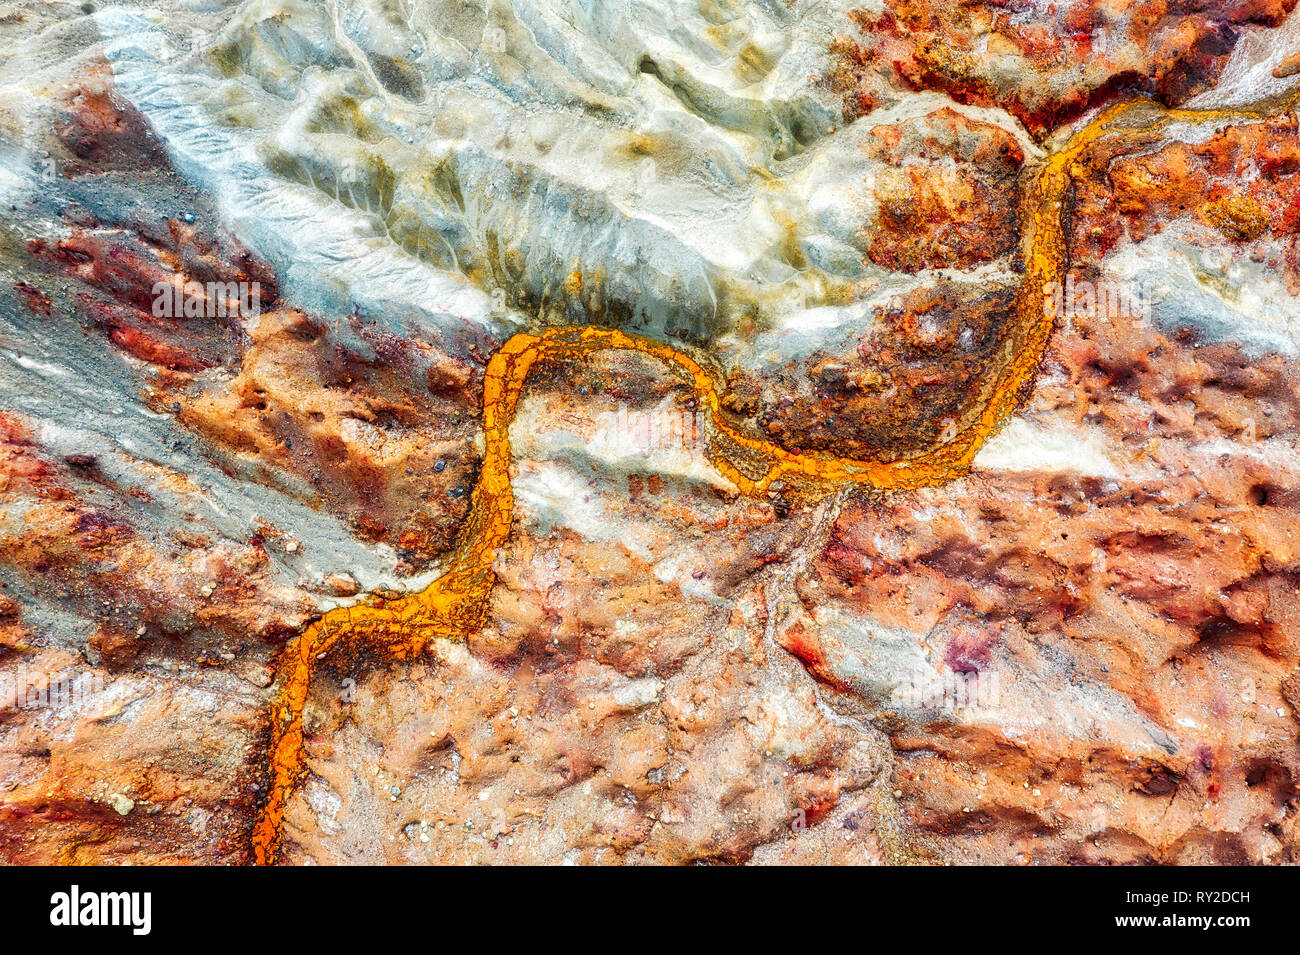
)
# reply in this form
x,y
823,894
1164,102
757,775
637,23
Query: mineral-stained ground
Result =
x,y
650,431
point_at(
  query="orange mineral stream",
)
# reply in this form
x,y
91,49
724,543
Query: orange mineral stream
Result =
x,y
455,604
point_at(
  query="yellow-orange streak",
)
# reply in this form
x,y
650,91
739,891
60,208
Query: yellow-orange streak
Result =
x,y
455,604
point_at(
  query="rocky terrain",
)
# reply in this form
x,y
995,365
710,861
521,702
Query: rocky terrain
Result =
x,y
255,259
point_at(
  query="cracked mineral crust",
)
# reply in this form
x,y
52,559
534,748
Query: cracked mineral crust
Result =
x,y
256,260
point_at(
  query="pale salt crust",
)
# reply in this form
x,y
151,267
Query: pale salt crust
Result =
x,y
564,475
551,494
667,240
330,256
598,439
342,246
799,334
1029,444
881,661
1248,76
1282,454
567,469
1224,296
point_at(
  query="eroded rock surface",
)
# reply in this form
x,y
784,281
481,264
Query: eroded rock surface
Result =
x,y
255,260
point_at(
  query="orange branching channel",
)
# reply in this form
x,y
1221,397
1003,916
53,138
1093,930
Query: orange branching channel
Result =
x,y
455,604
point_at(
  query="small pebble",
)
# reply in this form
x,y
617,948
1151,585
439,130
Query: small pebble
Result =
x,y
342,585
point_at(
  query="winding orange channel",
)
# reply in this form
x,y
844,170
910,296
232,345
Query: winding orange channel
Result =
x,y
455,604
